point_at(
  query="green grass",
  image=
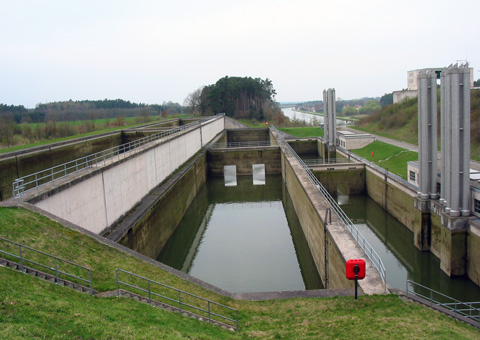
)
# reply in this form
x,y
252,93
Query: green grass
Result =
x,y
253,123
388,156
32,308
129,121
304,131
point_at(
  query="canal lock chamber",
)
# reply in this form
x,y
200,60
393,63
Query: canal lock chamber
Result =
x,y
192,194
241,238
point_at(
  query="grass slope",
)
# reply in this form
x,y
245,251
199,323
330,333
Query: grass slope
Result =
x,y
388,156
32,308
304,131
400,121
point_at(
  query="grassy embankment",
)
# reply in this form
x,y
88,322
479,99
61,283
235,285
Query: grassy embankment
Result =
x,y
400,121
99,129
33,308
387,156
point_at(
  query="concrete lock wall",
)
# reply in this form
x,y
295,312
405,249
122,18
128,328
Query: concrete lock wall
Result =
x,y
458,251
248,135
392,197
98,201
23,163
348,181
304,147
243,159
313,229
150,234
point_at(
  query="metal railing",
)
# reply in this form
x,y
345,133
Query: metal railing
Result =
x,y
323,161
469,310
248,144
380,169
181,299
357,235
33,181
57,262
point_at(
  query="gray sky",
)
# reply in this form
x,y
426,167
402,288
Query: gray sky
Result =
x,y
155,51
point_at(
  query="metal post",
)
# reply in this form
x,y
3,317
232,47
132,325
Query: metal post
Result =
x,y
118,287
179,301
21,258
90,280
149,295
209,320
56,271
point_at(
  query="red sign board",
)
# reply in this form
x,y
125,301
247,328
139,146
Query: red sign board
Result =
x,y
355,269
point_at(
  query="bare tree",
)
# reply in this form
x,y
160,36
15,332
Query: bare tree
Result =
x,y
193,101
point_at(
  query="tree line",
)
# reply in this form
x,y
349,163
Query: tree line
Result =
x,y
19,124
237,97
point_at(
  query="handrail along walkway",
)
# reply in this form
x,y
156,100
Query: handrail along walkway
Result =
x,y
178,300
357,235
33,181
57,261
466,309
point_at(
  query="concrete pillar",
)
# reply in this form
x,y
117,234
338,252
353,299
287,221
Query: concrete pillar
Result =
x,y
325,116
456,157
330,117
427,134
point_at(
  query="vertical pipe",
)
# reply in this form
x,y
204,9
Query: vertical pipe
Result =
x,y
465,203
448,139
455,155
433,135
443,137
325,115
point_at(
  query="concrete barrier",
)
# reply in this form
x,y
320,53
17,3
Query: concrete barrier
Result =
x,y
99,199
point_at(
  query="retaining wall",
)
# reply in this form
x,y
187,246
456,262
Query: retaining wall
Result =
x,y
150,234
104,196
243,159
332,242
23,163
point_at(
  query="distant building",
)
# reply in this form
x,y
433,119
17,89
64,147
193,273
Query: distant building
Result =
x,y
412,83
351,141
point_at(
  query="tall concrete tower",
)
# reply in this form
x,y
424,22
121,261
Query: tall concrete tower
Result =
x,y
330,116
455,134
427,134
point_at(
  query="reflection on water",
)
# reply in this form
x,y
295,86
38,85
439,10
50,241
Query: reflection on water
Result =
x,y
242,239
394,243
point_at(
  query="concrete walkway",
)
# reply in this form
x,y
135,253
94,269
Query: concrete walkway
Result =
x,y
412,147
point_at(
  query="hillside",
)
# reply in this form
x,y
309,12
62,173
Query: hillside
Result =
x,y
400,121
33,308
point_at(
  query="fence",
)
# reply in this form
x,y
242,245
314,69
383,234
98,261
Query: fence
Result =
x,y
184,301
249,144
469,310
383,171
322,161
359,238
58,263
33,181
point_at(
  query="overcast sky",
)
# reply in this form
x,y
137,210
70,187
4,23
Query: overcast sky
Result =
x,y
155,51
